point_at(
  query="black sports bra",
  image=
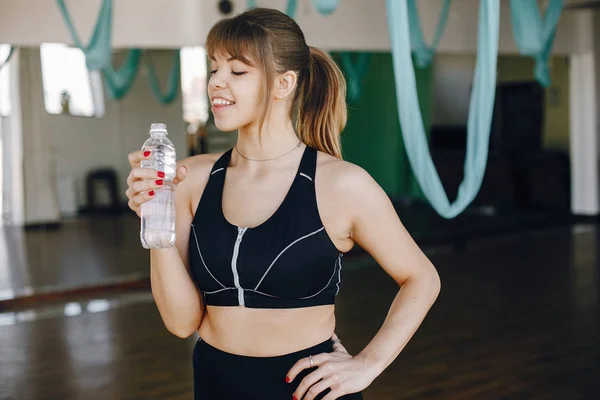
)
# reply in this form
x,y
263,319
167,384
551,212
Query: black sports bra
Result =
x,y
289,261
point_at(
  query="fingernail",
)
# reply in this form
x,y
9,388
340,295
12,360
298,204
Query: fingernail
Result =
x,y
151,193
146,154
161,174
287,379
159,182
294,398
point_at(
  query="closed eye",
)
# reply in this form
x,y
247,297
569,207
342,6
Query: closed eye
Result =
x,y
214,71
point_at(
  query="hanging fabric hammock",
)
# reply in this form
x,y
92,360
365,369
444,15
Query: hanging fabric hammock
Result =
x,y
98,51
534,36
423,53
172,83
119,82
480,108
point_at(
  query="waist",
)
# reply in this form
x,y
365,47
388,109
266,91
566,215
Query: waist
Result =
x,y
266,332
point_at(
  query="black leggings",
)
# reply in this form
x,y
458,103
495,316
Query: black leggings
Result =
x,y
223,376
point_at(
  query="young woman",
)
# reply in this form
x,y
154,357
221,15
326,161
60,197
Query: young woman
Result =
x,y
262,229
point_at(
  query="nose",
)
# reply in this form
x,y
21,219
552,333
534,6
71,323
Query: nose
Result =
x,y
216,81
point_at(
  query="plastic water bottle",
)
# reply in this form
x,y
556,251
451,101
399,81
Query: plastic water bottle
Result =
x,y
158,214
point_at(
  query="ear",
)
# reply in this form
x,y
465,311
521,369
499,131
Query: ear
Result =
x,y
285,84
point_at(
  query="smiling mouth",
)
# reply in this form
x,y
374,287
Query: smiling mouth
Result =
x,y
219,102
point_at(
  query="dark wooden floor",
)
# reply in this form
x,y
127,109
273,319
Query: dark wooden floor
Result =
x,y
83,253
518,318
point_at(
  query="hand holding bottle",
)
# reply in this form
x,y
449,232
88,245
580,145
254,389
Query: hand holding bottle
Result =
x,y
157,209
143,182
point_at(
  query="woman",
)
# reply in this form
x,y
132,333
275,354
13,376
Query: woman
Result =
x,y
261,229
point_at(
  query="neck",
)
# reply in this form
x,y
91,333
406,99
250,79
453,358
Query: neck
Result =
x,y
275,139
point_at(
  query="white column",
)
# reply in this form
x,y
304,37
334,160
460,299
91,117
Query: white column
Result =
x,y
12,150
39,180
583,117
583,137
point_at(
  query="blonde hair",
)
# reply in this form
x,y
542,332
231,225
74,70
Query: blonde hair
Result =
x,y
271,40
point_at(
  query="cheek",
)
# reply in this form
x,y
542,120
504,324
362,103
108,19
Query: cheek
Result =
x,y
250,102
248,107
251,92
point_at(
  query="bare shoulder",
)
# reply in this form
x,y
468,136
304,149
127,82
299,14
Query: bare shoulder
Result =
x,y
200,160
347,194
198,171
198,168
345,178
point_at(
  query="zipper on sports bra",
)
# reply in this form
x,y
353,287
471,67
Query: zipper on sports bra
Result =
x,y
236,276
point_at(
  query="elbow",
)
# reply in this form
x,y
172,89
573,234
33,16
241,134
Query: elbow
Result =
x,y
183,331
435,283
428,282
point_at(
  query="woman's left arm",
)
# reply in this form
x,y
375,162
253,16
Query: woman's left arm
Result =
x,y
376,227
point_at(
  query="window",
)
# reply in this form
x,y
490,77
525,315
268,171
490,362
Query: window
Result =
x,y
193,85
68,86
5,106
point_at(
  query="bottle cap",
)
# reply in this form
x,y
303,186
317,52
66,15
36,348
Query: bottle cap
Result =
x,y
158,128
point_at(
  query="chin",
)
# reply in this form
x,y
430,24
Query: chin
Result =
x,y
226,126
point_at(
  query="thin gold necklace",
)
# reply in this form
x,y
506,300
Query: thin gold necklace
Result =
x,y
268,159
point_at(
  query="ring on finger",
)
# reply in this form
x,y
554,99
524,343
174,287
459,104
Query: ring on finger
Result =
x,y
312,362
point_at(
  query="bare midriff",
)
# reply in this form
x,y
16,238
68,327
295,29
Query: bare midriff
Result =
x,y
266,332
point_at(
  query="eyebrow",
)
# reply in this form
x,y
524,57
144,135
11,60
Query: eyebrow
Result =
x,y
229,59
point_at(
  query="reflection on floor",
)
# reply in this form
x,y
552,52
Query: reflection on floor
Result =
x,y
518,318
82,253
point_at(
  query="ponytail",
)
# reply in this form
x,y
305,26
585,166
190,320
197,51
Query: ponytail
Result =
x,y
321,103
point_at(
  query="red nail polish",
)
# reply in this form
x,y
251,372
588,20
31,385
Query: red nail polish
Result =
x,y
161,174
294,398
151,193
159,182
146,154
287,379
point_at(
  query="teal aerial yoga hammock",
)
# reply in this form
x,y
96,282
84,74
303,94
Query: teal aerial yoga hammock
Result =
x,y
533,36
172,84
480,107
119,82
98,55
8,57
98,51
325,7
423,53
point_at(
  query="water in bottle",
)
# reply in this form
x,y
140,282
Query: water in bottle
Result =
x,y
158,214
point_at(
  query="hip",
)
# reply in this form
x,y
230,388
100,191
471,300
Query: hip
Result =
x,y
222,375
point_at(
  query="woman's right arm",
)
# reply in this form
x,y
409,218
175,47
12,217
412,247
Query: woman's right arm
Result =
x,y
179,302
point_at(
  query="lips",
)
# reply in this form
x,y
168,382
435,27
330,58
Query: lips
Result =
x,y
220,103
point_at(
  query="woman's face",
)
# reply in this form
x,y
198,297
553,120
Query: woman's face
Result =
x,y
234,89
